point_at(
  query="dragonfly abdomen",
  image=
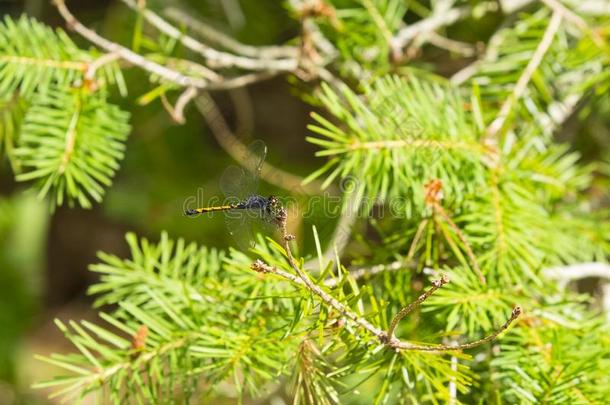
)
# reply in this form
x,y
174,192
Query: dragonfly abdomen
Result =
x,y
210,209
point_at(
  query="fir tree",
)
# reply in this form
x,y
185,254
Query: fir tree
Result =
x,y
454,299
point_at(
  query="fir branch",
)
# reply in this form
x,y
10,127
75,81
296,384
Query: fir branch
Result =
x,y
526,75
198,320
545,364
71,143
400,121
383,337
33,56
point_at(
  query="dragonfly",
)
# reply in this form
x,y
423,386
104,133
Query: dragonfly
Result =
x,y
245,210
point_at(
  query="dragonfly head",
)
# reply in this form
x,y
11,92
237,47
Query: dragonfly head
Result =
x,y
273,201
274,206
277,211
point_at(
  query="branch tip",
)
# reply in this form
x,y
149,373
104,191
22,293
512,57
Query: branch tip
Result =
x,y
259,267
440,282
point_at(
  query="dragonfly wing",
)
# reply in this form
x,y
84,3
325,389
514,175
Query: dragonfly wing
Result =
x,y
265,226
242,182
234,183
238,184
253,161
240,228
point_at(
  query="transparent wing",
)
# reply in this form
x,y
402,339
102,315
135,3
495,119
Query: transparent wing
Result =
x,y
236,184
253,161
239,183
240,228
242,182
265,226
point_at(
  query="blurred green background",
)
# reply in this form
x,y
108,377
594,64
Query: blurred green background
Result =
x,y
44,257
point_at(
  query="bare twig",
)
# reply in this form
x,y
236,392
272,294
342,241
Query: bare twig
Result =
x,y
578,21
517,311
215,58
436,284
382,336
436,21
225,41
189,67
98,63
126,54
216,82
579,271
524,79
177,112
466,72
241,81
594,8
463,48
565,274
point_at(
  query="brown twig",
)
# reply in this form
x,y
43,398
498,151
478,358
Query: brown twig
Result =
x,y
303,280
517,311
436,284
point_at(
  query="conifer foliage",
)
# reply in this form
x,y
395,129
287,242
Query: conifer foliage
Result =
x,y
449,301
57,127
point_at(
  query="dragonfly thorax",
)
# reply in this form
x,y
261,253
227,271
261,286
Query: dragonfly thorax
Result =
x,y
253,202
257,202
